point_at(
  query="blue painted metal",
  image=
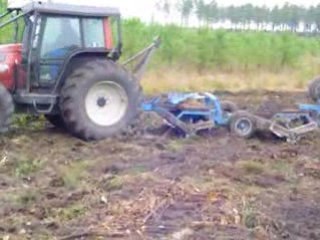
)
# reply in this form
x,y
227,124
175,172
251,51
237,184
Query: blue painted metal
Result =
x,y
181,114
310,107
306,112
186,118
313,110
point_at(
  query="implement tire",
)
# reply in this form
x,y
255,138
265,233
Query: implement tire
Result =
x,y
99,99
243,124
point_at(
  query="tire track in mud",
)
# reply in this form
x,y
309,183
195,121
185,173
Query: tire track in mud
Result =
x,y
146,186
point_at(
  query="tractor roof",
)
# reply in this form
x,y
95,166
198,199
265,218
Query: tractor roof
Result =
x,y
68,9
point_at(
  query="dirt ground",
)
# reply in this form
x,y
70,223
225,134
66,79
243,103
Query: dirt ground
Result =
x,y
146,186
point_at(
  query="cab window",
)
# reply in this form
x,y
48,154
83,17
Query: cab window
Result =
x,y
61,36
93,32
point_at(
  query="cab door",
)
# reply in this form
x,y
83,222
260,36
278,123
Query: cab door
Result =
x,y
60,37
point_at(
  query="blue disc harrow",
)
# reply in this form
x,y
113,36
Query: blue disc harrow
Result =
x,y
191,112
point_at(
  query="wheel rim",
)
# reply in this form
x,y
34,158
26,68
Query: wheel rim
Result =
x,y
106,103
243,126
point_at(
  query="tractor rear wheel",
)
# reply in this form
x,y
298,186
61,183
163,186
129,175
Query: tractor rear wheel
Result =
x,y
99,99
6,109
314,89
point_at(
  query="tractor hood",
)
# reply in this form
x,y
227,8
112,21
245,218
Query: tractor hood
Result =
x,y
9,53
10,57
10,48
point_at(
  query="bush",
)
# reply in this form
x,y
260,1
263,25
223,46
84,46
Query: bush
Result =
x,y
206,49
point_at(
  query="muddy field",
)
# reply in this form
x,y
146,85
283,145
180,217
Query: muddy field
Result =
x,y
146,186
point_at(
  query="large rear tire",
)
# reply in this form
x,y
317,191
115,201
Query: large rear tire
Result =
x,y
99,100
314,89
6,109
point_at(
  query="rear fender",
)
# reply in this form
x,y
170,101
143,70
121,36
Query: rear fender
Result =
x,y
78,57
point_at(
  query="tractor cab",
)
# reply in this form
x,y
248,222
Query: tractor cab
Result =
x,y
47,36
63,63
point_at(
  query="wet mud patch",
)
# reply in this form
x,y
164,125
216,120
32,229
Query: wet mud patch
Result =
x,y
154,186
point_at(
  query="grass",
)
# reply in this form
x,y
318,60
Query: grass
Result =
x,y
74,173
28,121
205,60
200,59
69,213
27,167
176,145
164,80
27,197
283,167
252,167
249,215
21,165
205,49
112,184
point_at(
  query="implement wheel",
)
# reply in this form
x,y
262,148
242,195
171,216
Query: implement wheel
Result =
x,y
243,124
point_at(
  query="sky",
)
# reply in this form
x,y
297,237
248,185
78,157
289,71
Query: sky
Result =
x,y
145,9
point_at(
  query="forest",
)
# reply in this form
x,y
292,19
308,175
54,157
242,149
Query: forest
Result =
x,y
198,52
278,18
150,180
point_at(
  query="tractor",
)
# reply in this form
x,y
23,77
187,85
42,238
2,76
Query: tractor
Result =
x,y
63,64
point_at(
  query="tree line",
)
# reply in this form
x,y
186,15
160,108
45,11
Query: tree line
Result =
x,y
285,18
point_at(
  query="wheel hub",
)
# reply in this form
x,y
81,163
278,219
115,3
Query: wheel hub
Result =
x,y
243,126
102,102
106,103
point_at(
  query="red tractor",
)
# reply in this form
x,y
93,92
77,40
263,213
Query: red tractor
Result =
x,y
64,66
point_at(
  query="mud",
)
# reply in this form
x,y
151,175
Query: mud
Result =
x,y
148,186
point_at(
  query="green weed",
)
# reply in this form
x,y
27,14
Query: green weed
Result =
x,y
27,167
69,213
27,197
250,218
74,173
252,167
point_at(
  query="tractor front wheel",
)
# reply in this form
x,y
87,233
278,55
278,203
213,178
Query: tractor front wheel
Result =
x,y
6,109
99,99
